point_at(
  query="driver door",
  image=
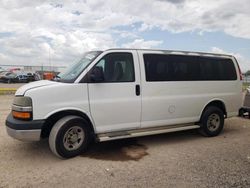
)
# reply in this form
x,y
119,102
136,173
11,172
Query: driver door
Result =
x,y
115,103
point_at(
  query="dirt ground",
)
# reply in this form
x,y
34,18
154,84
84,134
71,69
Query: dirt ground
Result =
x,y
183,159
12,85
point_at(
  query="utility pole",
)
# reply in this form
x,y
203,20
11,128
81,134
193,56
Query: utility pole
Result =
x,y
50,60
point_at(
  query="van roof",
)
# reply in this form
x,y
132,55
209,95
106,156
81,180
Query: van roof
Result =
x,y
179,52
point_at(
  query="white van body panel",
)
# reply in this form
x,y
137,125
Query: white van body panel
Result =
x,y
177,102
33,85
58,97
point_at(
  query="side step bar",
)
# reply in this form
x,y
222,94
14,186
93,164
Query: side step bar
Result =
x,y
143,132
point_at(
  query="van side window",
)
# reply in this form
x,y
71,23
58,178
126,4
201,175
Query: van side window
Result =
x,y
117,67
160,67
217,69
228,71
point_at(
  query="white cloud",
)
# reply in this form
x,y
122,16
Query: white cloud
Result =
x,y
68,28
218,50
141,43
145,27
126,34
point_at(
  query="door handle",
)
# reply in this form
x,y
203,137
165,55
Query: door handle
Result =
x,y
137,90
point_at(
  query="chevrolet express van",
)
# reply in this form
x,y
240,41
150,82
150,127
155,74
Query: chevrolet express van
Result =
x,y
123,93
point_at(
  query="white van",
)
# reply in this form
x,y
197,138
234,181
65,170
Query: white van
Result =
x,y
123,93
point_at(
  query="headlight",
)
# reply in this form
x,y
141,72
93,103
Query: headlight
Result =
x,y
22,108
22,101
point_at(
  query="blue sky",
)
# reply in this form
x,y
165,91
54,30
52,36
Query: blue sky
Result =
x,y
196,41
31,31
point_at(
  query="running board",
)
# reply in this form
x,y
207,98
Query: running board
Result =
x,y
143,132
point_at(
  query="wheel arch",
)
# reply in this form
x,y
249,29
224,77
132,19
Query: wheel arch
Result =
x,y
54,117
215,102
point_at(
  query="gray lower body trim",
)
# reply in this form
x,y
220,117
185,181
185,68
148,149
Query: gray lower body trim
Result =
x,y
25,135
144,132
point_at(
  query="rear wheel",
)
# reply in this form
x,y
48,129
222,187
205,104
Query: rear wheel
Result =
x,y
212,121
69,137
241,112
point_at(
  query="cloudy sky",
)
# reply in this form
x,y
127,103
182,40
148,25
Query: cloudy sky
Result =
x,y
33,31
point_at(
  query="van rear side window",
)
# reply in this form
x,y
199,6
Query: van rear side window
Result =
x,y
160,67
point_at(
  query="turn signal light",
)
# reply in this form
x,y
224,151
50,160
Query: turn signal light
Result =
x,y
21,115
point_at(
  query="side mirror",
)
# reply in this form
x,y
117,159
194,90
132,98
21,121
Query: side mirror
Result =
x,y
97,75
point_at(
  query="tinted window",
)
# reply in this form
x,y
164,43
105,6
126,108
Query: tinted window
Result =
x,y
117,67
185,68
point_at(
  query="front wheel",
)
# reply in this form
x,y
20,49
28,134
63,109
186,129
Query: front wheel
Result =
x,y
69,137
212,121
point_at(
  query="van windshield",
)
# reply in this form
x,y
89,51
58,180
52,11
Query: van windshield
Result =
x,y
74,70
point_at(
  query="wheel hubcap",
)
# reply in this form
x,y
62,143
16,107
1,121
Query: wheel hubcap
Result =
x,y
73,138
213,122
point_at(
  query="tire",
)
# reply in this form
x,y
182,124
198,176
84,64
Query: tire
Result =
x,y
69,136
212,121
241,112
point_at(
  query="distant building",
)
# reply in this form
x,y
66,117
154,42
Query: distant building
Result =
x,y
33,68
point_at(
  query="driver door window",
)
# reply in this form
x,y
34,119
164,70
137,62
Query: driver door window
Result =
x,y
117,67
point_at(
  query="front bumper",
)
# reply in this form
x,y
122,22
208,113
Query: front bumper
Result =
x,y
24,130
24,135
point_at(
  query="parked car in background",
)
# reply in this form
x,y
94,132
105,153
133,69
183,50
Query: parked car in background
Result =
x,y
17,76
245,109
22,78
1,70
37,76
30,77
8,77
14,70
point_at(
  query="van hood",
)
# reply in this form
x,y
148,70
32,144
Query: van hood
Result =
x,y
32,85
